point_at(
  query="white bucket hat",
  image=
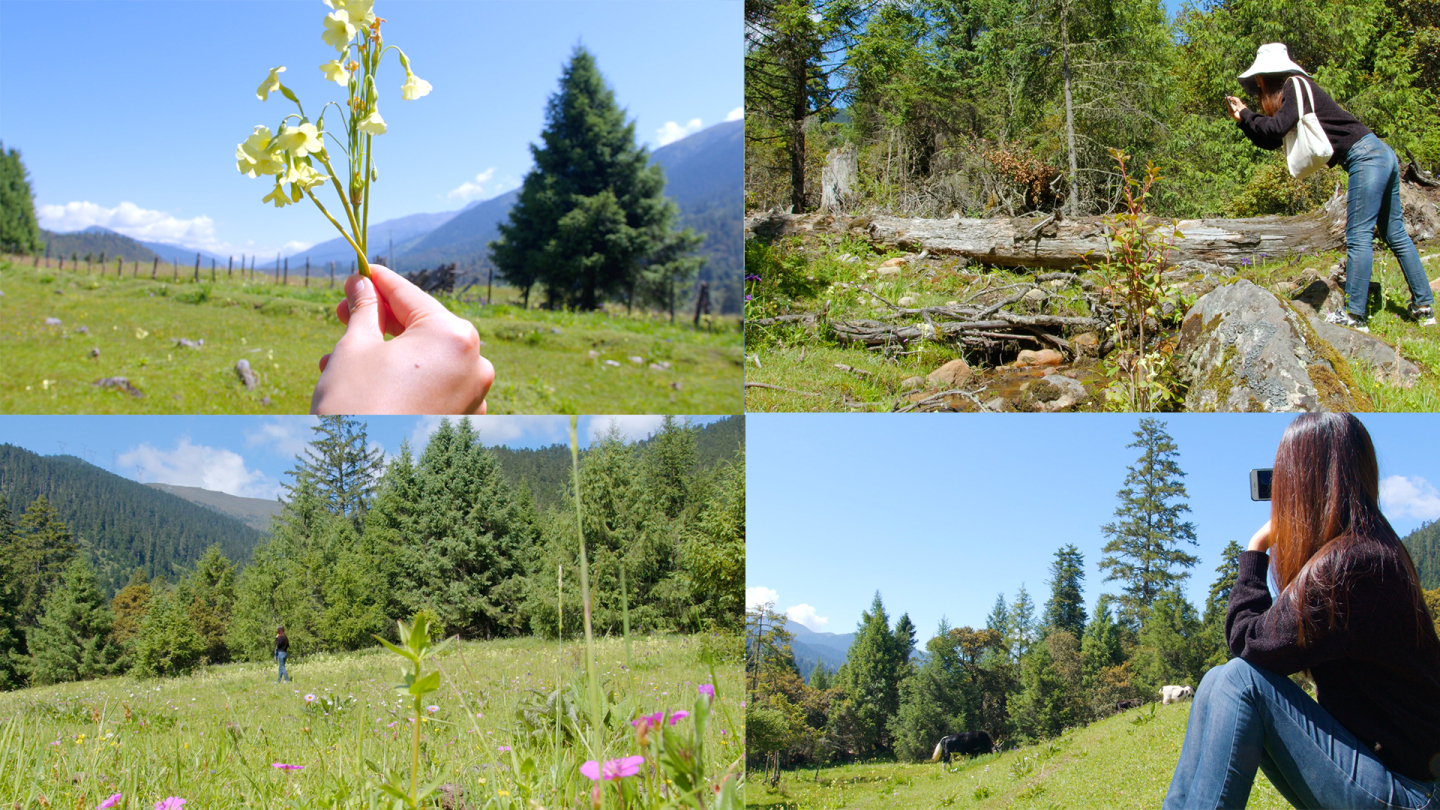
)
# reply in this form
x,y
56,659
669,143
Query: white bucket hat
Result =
x,y
1272,57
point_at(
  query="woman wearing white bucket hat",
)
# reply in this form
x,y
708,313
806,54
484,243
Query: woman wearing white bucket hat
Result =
x,y
1374,190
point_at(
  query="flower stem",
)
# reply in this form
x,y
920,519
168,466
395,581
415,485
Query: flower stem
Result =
x,y
332,219
365,217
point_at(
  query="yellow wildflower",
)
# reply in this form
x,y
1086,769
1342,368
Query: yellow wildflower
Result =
x,y
270,85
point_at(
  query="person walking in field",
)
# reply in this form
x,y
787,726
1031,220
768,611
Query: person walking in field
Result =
x,y
282,651
1350,612
1283,88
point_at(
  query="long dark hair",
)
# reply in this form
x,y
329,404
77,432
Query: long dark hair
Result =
x,y
1271,90
1325,512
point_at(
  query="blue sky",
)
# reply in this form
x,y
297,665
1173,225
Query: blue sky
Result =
x,y
941,514
249,455
127,113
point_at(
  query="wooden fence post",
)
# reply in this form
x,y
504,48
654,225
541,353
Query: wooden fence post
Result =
x,y
332,274
197,268
154,267
212,270
307,271
119,266
286,280
230,271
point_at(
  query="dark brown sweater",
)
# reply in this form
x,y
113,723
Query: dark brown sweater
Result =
x,y
1373,673
1342,128
282,644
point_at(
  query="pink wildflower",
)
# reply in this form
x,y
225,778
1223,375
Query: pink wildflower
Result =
x,y
283,767
170,803
502,749
112,801
649,720
678,716
614,768
707,689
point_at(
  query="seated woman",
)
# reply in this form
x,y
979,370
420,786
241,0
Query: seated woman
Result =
x,y
1350,611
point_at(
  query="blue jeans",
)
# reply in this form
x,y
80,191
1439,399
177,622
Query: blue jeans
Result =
x,y
1245,718
1374,196
284,676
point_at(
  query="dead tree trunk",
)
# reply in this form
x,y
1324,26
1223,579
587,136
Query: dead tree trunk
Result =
x,y
1054,243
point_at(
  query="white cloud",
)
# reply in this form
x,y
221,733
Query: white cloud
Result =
x,y
285,436
804,614
759,595
291,248
501,430
1409,497
672,131
471,189
135,222
194,465
736,114
632,428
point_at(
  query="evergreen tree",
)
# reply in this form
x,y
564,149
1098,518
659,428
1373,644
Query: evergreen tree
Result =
x,y
1172,648
71,641
1051,694
1217,605
344,467
40,551
1022,623
1144,544
1066,608
129,608
463,544
19,230
209,594
168,644
13,664
1102,644
714,555
871,678
820,677
938,699
592,213
670,466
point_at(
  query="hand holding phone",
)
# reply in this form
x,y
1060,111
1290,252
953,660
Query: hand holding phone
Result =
x,y
1234,106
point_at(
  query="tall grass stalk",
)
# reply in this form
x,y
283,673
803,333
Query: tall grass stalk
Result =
x,y
591,676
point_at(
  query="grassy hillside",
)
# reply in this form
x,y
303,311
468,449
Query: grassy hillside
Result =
x,y
546,362
253,512
79,244
1122,762
212,738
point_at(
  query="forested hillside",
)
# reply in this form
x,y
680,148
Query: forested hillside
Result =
x,y
121,524
360,543
1002,106
1424,546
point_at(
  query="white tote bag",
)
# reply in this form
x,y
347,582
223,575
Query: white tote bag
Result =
x,y
1307,150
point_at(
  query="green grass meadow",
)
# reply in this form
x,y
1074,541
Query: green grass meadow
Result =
x,y
212,738
546,362
805,368
1123,761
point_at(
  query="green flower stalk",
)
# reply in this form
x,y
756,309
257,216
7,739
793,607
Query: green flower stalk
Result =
x,y
353,30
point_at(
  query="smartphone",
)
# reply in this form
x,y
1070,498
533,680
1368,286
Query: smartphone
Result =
x,y
1260,485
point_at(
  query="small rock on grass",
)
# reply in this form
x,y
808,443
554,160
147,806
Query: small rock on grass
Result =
x,y
594,355
896,262
906,301
1086,344
1035,295
1043,357
912,383
888,271
52,321
94,352
122,383
951,375
662,366
637,360
612,363
246,374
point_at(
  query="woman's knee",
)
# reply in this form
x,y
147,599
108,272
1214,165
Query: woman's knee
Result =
x,y
1235,673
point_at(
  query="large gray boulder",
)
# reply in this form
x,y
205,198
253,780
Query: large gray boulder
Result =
x,y
1241,349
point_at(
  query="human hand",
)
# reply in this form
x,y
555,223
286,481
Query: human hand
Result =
x,y
1263,538
1235,105
433,364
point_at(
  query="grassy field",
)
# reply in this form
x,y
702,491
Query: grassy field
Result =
x,y
1121,762
546,362
809,370
213,738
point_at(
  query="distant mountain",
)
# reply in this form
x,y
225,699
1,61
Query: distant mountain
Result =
x,y
93,241
812,648
465,239
1424,546
120,523
253,512
405,231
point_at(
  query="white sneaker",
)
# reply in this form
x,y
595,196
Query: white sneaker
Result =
x,y
1343,318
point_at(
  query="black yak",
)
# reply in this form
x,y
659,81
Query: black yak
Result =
x,y
1133,703
967,743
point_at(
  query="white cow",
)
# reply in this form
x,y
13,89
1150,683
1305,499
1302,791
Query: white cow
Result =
x,y
1173,694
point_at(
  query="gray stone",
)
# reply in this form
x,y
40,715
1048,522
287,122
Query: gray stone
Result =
x,y
1072,392
246,374
121,383
1369,349
1319,297
94,352
1241,349
52,321
912,383
1035,296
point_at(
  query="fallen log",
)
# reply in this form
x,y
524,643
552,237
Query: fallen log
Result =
x,y
878,334
1045,242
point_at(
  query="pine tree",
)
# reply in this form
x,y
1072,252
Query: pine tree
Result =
x,y
938,699
1050,698
592,213
670,466
1066,608
344,467
13,663
1143,550
129,607
19,230
209,594
821,677
40,552
871,678
71,641
1022,623
461,557
168,644
1171,647
1217,605
714,554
